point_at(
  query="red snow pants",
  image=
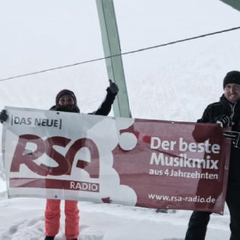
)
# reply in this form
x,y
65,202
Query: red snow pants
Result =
x,y
52,218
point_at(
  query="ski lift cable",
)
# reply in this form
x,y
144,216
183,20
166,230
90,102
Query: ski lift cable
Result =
x,y
121,54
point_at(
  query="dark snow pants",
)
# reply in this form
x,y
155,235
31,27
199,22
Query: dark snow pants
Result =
x,y
198,222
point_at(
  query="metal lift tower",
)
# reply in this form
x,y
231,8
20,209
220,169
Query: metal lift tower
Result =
x,y
111,46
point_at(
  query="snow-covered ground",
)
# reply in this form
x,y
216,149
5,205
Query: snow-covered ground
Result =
x,y
171,83
23,219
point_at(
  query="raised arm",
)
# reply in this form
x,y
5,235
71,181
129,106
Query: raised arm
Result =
x,y
106,105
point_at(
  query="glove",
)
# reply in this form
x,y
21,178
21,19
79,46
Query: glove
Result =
x,y
224,121
3,116
113,88
234,136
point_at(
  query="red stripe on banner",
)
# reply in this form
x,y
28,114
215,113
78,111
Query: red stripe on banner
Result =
x,y
53,184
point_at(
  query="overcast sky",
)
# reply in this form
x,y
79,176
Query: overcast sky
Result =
x,y
43,34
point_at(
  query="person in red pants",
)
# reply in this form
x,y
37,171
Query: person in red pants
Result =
x,y
52,219
66,101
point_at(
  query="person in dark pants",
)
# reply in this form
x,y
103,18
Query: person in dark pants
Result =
x,y
66,101
226,112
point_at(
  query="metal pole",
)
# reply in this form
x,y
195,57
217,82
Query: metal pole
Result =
x,y
111,46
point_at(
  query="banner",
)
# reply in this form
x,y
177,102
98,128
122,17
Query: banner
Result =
x,y
135,162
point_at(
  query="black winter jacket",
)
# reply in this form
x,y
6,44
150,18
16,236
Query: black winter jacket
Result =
x,y
103,110
211,115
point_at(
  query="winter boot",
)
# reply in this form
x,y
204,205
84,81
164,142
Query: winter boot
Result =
x,y
49,237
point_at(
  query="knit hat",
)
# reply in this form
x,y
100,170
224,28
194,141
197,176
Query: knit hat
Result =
x,y
231,77
66,92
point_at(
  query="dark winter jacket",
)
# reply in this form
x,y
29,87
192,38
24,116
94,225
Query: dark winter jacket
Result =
x,y
211,114
103,110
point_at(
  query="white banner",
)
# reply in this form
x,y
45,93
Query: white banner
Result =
x,y
62,155
137,162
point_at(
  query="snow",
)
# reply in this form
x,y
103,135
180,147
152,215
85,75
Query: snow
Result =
x,y
23,218
171,83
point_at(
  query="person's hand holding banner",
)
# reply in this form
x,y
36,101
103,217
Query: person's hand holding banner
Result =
x,y
234,136
3,116
224,121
